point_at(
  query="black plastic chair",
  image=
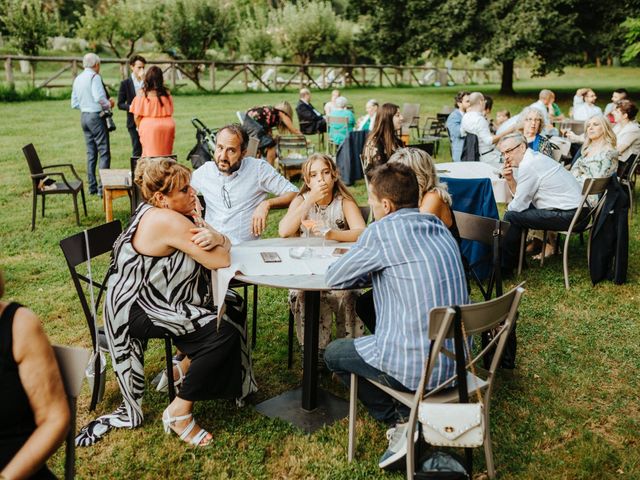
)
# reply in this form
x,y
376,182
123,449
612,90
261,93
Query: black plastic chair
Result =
x,y
74,248
38,177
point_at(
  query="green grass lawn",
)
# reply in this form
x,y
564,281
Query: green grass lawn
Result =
x,y
568,411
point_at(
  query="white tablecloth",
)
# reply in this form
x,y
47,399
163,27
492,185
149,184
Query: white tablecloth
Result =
x,y
477,170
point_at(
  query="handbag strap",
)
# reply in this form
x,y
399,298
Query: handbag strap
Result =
x,y
459,323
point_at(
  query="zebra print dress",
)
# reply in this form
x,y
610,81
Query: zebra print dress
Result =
x,y
174,291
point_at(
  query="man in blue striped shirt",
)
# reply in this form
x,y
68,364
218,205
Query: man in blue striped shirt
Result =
x,y
414,264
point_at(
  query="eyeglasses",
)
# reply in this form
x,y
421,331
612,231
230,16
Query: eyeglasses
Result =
x,y
225,196
507,152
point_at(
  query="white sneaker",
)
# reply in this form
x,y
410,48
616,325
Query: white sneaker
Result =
x,y
397,450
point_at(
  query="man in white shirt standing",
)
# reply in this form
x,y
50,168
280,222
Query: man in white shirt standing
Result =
x,y
545,194
474,122
89,96
235,188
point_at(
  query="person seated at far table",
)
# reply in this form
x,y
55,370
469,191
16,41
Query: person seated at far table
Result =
x,y
259,122
367,121
531,126
161,286
501,117
338,131
34,418
331,104
545,194
311,121
383,140
626,129
617,95
414,264
325,201
584,106
235,187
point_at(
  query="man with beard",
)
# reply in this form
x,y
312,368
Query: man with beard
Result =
x,y
235,188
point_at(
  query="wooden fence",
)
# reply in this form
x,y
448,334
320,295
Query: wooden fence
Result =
x,y
216,77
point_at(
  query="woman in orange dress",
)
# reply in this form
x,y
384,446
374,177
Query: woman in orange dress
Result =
x,y
153,113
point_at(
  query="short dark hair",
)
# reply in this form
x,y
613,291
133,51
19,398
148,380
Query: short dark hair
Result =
x,y
459,96
135,58
623,91
239,132
628,107
395,182
488,103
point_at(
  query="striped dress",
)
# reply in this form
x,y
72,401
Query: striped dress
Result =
x,y
174,291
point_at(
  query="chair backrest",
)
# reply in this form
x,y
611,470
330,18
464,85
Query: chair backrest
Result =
x,y
241,116
337,124
495,316
292,145
626,169
252,146
591,187
564,145
74,248
490,232
411,114
365,211
35,166
576,126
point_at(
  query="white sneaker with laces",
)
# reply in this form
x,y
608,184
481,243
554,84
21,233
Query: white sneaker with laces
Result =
x,y
397,449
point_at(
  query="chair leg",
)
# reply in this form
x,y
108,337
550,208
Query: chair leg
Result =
x,y
84,202
488,453
75,207
70,447
353,400
565,261
290,352
169,359
255,316
33,210
523,241
544,247
43,200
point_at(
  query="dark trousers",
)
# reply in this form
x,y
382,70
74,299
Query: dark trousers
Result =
x,y
365,309
215,369
96,137
532,218
342,358
135,142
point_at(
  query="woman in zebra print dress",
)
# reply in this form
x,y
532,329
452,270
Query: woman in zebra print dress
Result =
x,y
159,285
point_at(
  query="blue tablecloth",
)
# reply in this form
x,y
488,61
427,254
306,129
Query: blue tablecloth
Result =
x,y
475,196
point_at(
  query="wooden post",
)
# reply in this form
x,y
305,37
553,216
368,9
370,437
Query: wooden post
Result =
x,y
8,69
246,78
323,82
380,79
410,76
301,76
364,76
395,76
173,76
275,77
212,76
74,68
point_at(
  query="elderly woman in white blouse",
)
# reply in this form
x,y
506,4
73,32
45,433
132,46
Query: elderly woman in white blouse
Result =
x,y
626,129
584,104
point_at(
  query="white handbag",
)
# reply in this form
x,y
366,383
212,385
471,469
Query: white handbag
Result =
x,y
454,424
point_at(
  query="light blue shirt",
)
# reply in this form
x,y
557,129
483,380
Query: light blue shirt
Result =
x,y
338,131
246,188
453,127
88,93
137,84
415,265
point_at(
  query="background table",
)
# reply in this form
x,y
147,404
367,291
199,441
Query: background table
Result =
x,y
475,170
307,407
115,183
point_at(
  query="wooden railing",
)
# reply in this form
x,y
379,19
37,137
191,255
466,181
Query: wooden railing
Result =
x,y
215,77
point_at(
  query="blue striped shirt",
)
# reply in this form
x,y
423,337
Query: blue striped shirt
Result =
x,y
415,265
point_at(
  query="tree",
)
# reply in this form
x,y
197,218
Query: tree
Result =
x,y
188,28
29,23
257,39
118,23
305,29
632,39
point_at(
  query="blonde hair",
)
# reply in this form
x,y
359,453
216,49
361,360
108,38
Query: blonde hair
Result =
x,y
422,165
608,134
284,107
160,174
338,185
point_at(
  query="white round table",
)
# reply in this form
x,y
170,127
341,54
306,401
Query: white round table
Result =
x,y
501,191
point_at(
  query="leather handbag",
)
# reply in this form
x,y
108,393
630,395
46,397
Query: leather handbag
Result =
x,y
455,425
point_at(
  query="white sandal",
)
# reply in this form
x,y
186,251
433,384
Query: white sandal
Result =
x,y
168,420
163,384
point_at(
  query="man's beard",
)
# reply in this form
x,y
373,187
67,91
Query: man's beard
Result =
x,y
232,168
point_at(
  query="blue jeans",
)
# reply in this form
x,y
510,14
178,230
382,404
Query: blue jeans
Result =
x,y
531,218
96,137
342,358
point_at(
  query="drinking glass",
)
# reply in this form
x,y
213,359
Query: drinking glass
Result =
x,y
308,223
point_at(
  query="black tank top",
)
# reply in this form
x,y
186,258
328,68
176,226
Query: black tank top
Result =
x,y
16,417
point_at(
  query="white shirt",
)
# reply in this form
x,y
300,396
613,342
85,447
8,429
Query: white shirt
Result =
x,y
247,187
544,183
477,124
137,84
583,111
627,139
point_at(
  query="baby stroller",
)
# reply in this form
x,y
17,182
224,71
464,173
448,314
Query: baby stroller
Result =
x,y
205,146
